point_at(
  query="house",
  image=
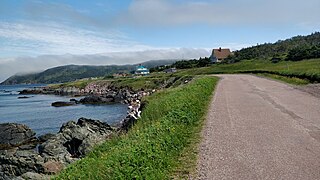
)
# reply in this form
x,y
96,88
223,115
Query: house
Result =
x,y
219,55
141,70
170,70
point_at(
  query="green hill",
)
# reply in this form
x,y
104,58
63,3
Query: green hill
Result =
x,y
69,73
295,48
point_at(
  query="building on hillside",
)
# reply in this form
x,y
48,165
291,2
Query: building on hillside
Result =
x,y
141,70
219,55
170,70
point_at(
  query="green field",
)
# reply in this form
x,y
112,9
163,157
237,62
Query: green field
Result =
x,y
299,72
160,145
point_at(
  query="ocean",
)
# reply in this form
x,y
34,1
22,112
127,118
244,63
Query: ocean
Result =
x,y
37,112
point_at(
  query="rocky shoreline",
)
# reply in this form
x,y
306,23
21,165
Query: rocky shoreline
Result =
x,y
25,156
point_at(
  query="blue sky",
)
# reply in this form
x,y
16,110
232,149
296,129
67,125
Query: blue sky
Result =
x,y
130,31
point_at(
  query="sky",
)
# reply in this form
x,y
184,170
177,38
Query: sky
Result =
x,y
39,34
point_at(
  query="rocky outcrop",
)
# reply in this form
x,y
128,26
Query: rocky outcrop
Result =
x,y
94,99
63,103
14,135
15,161
73,141
32,91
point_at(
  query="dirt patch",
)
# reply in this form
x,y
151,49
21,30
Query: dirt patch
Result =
x,y
313,89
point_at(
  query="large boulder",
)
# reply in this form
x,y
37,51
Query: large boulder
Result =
x,y
97,100
14,135
74,140
63,103
31,91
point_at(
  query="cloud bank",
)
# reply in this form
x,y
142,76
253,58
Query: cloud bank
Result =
x,y
226,12
11,66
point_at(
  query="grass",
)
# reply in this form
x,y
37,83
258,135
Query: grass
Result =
x,y
153,81
158,144
306,70
82,83
290,80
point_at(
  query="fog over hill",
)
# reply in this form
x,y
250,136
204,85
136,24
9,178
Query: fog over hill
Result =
x,y
23,65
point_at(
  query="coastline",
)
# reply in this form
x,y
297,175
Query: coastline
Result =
x,y
47,150
76,139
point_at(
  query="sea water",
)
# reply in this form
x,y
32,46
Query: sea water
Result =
x,y
37,112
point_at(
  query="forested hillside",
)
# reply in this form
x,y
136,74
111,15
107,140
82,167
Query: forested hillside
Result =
x,y
295,48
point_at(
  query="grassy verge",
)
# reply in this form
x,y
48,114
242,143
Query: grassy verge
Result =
x,y
296,72
290,80
158,143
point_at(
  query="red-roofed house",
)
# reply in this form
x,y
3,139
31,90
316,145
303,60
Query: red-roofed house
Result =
x,y
219,55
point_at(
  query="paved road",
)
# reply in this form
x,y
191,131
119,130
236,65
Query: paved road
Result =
x,y
260,129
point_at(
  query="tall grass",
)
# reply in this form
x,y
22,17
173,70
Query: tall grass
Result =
x,y
153,147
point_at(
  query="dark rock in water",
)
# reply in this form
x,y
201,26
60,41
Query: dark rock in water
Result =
x,y
31,91
74,100
96,100
23,97
14,135
62,103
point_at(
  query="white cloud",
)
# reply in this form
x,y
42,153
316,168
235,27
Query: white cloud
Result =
x,y
226,12
11,66
53,38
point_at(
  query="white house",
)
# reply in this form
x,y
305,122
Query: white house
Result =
x,y
141,70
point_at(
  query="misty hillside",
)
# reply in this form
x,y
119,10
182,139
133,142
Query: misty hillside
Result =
x,y
69,73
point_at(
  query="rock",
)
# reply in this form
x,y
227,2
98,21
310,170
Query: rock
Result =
x,y
127,123
45,137
62,103
74,100
28,146
20,162
23,97
31,91
96,100
53,167
35,176
3,176
14,135
75,140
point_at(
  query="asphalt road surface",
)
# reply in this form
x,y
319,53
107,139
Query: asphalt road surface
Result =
x,y
260,129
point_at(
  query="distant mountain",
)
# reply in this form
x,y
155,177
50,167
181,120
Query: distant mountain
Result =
x,y
309,44
69,73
